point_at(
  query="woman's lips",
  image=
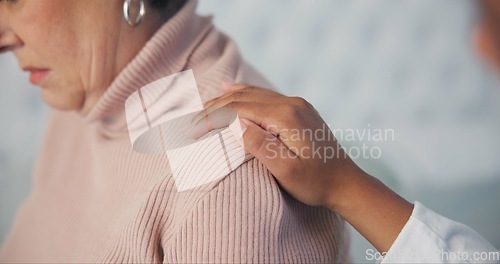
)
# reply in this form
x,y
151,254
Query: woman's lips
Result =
x,y
37,76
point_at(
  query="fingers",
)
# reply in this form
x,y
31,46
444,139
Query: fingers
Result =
x,y
267,148
271,111
276,119
243,93
204,114
210,119
215,118
262,144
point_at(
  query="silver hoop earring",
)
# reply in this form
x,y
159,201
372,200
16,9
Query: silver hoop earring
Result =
x,y
134,11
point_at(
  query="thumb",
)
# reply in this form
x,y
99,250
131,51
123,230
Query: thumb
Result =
x,y
264,146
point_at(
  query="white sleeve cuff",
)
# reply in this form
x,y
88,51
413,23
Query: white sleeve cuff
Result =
x,y
429,237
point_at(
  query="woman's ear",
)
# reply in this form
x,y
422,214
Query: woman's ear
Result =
x,y
487,44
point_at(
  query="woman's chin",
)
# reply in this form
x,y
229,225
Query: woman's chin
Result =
x,y
62,101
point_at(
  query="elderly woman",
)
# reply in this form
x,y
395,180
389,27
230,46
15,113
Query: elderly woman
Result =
x,y
94,199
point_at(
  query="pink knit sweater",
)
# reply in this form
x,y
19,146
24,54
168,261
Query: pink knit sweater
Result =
x,y
95,200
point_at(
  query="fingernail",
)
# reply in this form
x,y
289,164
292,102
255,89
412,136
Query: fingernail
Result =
x,y
205,104
238,128
244,125
226,87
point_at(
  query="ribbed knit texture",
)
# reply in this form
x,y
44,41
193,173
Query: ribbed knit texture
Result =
x,y
95,200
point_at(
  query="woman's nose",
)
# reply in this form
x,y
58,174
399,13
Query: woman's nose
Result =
x,y
8,39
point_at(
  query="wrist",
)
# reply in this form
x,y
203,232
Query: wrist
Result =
x,y
373,209
344,193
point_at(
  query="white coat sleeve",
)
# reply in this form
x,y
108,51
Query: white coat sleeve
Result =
x,y
429,237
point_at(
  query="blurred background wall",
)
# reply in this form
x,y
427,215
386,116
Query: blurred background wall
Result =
x,y
409,66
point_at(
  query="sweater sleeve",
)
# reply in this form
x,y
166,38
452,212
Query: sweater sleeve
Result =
x,y
247,218
429,237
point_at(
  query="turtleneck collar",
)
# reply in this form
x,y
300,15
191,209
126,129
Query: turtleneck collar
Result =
x,y
166,53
